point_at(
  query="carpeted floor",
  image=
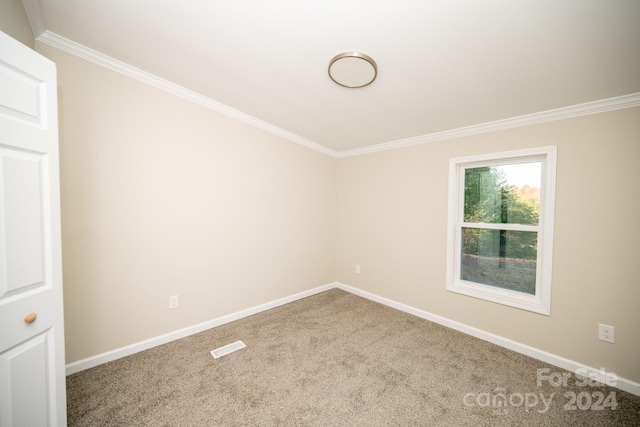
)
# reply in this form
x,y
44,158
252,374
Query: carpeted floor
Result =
x,y
336,359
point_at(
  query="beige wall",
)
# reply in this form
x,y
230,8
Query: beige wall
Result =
x,y
161,196
392,220
14,21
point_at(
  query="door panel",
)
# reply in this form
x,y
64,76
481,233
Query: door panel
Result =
x,y
21,219
20,94
26,367
32,378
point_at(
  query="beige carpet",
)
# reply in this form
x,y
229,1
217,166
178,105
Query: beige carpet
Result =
x,y
336,359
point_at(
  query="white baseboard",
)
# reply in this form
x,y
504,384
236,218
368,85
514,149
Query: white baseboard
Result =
x,y
561,362
118,353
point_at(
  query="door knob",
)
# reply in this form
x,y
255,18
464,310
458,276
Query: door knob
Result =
x,y
30,318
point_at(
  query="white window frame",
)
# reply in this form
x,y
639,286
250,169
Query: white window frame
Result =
x,y
540,302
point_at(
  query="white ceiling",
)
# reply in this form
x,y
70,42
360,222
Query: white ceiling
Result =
x,y
442,64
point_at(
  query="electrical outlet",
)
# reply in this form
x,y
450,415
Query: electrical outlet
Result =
x,y
357,268
173,302
606,333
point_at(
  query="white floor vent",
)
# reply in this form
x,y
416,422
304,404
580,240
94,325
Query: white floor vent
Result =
x,y
229,348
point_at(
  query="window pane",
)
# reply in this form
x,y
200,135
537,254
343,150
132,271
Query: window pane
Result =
x,y
501,258
505,194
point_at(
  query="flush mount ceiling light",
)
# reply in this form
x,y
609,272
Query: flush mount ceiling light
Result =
x,y
353,69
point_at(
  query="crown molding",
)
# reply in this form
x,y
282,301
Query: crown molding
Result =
x,y
98,58
594,107
34,16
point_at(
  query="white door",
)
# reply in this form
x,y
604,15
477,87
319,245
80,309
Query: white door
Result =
x,y
32,377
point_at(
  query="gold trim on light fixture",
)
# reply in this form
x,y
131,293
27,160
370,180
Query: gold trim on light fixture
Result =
x,y
353,69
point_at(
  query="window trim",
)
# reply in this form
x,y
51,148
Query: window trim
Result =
x,y
541,301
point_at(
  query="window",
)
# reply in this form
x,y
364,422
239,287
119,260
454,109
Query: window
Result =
x,y
500,233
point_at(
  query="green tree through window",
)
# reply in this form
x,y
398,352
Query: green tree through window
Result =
x,y
500,228
499,257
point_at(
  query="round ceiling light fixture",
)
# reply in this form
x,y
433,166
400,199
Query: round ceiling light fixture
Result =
x,y
353,69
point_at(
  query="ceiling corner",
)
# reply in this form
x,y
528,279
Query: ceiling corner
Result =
x,y
34,15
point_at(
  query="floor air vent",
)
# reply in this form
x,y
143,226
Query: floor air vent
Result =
x,y
229,348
